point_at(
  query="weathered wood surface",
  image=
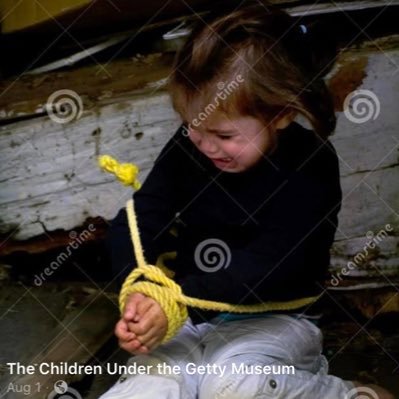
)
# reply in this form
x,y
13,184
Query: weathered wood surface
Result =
x,y
97,85
369,164
50,179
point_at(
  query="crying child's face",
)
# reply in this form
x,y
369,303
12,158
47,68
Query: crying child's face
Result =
x,y
234,144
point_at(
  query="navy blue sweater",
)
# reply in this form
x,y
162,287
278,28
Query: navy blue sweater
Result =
x,y
274,223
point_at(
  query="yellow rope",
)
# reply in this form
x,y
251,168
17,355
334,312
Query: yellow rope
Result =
x,y
126,173
158,283
169,294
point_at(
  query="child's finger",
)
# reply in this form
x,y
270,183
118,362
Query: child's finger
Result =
x,y
141,350
131,346
135,328
152,337
143,325
152,343
122,331
140,328
130,307
145,349
142,308
149,333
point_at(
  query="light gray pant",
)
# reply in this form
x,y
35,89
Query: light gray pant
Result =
x,y
227,350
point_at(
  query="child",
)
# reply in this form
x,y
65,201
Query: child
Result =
x,y
251,198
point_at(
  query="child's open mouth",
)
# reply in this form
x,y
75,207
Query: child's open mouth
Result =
x,y
221,161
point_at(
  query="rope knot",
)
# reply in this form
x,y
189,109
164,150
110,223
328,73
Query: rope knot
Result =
x,y
126,173
160,288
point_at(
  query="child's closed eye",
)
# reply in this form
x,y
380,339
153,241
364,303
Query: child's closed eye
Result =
x,y
224,136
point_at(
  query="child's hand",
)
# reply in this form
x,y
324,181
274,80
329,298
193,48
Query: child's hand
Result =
x,y
128,340
149,325
143,324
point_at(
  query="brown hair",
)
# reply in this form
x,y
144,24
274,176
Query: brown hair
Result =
x,y
263,61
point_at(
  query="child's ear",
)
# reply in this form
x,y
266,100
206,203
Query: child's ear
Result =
x,y
285,120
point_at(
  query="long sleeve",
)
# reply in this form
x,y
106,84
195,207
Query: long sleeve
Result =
x,y
155,209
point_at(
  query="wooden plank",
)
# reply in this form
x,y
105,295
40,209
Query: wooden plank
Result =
x,y
68,182
96,85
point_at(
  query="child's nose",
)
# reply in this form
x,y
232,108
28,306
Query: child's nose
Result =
x,y
208,145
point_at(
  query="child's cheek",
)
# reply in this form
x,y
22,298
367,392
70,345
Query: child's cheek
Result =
x,y
233,150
